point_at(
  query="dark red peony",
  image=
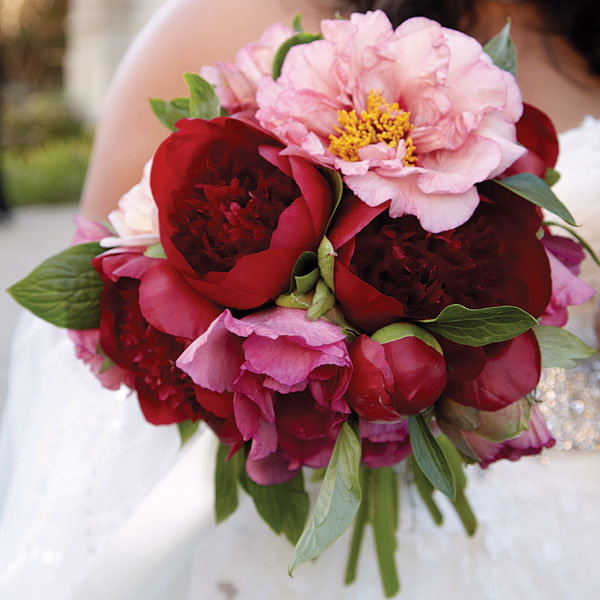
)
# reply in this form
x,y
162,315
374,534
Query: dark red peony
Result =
x,y
141,297
234,214
393,269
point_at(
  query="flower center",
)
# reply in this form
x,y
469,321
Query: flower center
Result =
x,y
381,122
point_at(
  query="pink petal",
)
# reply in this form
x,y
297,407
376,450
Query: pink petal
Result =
x,y
567,290
213,361
456,171
495,127
286,361
251,385
279,321
271,469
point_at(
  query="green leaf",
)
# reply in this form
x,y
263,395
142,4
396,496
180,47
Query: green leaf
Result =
x,y
385,514
430,457
536,190
337,502
155,251
337,189
502,50
226,496
300,38
398,331
560,348
578,237
107,364
297,23
65,289
204,102
187,429
480,326
306,283
169,112
460,504
295,300
425,490
305,265
326,258
362,517
323,301
551,176
283,507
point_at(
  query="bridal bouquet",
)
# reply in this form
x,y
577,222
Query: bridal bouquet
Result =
x,y
337,260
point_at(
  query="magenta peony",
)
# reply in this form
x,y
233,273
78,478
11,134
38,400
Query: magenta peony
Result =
x,y
284,378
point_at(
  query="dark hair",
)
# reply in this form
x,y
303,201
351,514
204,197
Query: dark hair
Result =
x,y
447,12
577,20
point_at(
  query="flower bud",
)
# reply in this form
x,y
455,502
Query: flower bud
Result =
x,y
399,371
487,436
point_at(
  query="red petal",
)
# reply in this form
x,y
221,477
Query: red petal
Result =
x,y
537,133
362,304
512,370
171,305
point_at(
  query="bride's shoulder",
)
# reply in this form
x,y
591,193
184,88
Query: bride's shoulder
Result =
x,y
183,36
189,31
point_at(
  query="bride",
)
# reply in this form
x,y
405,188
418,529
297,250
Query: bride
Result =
x,y
96,503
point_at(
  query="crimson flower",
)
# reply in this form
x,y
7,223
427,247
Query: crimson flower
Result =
x,y
391,269
141,299
234,215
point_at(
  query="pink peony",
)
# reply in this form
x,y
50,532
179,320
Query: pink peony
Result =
x,y
511,432
565,255
384,444
88,231
136,220
283,377
236,83
87,349
416,116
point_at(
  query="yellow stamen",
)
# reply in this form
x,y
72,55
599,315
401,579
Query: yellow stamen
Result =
x,y
381,122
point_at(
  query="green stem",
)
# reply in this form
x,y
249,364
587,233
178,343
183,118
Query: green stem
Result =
x,y
362,517
385,539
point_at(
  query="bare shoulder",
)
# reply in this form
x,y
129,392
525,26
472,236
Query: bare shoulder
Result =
x,y
183,36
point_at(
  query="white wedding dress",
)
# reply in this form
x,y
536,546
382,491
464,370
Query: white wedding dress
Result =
x,y
97,504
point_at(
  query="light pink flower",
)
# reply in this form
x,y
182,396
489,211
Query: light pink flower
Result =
x,y
564,256
88,230
236,82
87,349
452,114
288,376
136,220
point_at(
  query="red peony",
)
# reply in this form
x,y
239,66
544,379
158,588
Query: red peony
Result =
x,y
536,132
234,214
400,372
133,295
394,269
493,376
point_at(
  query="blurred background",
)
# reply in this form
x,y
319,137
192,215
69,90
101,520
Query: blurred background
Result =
x,y
57,58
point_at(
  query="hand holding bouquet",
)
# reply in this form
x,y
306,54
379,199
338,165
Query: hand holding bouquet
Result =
x,y
337,260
